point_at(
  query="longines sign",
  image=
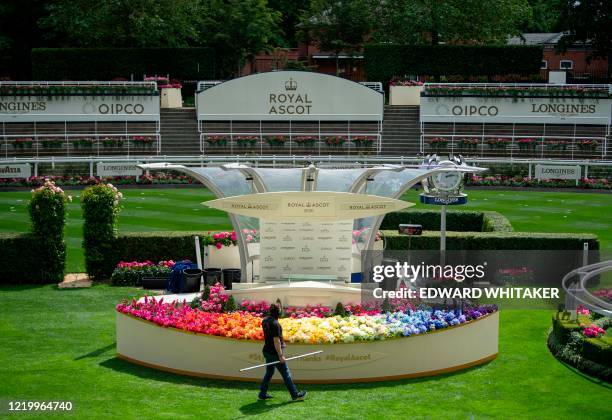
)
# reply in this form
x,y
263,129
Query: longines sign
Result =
x,y
79,108
289,95
313,206
516,110
557,172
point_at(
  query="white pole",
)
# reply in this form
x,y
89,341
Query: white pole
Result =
x,y
278,361
443,235
198,254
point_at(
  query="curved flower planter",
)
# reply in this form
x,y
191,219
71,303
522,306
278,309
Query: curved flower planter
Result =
x,y
182,352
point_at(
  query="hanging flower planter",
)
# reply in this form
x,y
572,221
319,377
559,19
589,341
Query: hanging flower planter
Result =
x,y
305,141
468,144
364,141
557,144
51,142
276,141
246,141
143,141
438,143
526,144
111,142
83,143
335,141
23,143
587,145
498,143
217,141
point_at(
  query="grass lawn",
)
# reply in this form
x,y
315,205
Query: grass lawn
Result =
x,y
60,345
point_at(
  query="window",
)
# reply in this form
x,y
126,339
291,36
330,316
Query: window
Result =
x,y
566,64
543,64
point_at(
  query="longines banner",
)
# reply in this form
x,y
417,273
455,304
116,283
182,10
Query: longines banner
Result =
x,y
289,95
516,110
79,108
118,169
557,172
22,170
305,248
320,206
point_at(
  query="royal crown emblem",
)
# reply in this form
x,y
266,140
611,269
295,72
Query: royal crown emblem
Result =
x,y
290,84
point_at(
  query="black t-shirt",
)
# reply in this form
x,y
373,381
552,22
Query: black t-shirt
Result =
x,y
271,328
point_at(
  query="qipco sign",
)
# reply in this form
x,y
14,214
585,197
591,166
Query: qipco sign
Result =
x,y
515,110
79,108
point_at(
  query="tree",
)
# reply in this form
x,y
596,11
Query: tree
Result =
x,y
451,21
546,15
123,23
587,21
290,11
338,25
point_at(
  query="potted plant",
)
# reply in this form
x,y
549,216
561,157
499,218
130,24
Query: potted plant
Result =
x,y
276,141
526,144
143,141
305,141
438,143
497,143
587,145
51,142
405,92
110,142
246,141
22,143
83,143
468,143
364,141
335,141
216,141
557,144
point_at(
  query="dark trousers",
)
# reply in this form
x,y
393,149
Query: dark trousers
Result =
x,y
283,369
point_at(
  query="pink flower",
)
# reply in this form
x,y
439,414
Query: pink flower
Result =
x,y
234,237
219,245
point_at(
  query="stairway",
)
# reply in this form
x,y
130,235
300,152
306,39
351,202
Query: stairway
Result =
x,y
179,132
401,131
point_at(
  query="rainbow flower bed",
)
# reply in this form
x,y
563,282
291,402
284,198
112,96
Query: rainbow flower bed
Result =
x,y
309,325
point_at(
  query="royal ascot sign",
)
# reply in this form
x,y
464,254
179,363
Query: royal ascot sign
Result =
x,y
23,170
313,206
118,169
469,109
557,172
289,95
79,108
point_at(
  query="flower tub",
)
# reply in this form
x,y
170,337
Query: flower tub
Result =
x,y
359,345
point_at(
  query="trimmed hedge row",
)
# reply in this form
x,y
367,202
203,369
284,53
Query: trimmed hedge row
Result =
x,y
491,241
109,63
383,62
18,259
592,349
459,221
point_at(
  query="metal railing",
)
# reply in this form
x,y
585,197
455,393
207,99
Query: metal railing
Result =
x,y
78,83
575,285
602,87
207,84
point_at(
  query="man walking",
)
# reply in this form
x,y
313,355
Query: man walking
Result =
x,y
273,351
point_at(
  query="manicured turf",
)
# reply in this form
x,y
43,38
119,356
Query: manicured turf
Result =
x,y
60,345
180,209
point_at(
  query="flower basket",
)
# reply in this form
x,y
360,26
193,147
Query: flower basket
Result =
x,y
246,141
335,141
305,141
557,144
587,145
83,143
217,141
111,142
498,143
468,143
23,143
51,142
143,141
438,143
276,141
363,141
526,144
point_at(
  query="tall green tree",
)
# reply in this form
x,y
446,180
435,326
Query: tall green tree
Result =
x,y
588,21
290,12
122,23
546,14
450,21
338,25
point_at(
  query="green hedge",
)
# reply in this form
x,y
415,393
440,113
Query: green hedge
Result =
x,y
593,349
18,259
386,61
459,221
109,63
491,241
156,246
